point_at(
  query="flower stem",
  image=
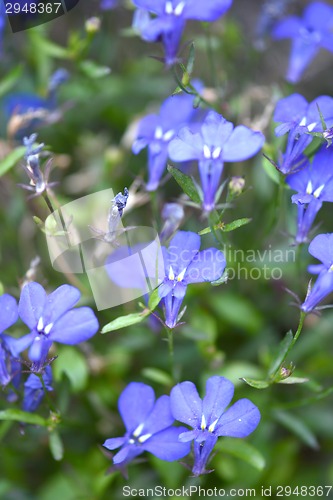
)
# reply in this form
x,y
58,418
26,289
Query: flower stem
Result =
x,y
46,393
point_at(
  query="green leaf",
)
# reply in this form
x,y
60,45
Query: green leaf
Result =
x,y
158,376
45,46
186,183
72,363
56,445
123,321
235,224
191,59
257,384
93,70
23,416
283,349
293,380
11,160
243,450
298,427
9,80
271,171
154,300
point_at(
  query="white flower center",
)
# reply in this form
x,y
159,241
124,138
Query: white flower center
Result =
x,y
177,11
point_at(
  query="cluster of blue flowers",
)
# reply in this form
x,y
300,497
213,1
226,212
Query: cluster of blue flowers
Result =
x,y
50,318
149,423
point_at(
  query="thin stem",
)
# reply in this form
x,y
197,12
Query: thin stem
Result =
x,y
171,352
210,56
213,221
46,392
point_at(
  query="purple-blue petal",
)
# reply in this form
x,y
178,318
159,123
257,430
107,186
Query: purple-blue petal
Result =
x,y
321,247
208,265
17,345
290,111
318,15
59,302
186,404
75,326
39,349
155,6
242,144
114,443
209,10
325,105
239,420
219,393
8,311
186,146
165,445
322,287
287,28
182,249
302,53
216,130
160,417
135,404
31,304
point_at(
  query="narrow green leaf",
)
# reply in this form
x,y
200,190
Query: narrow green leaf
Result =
x,y
282,351
191,59
11,160
154,300
186,183
243,450
93,70
257,384
23,416
158,376
235,224
298,427
123,321
293,380
9,80
271,171
56,445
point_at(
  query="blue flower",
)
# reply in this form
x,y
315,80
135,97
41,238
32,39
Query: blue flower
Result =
x,y
171,17
156,131
34,391
52,319
308,34
2,22
184,264
314,185
217,142
108,4
148,427
321,247
27,111
209,418
293,159
9,315
295,111
270,12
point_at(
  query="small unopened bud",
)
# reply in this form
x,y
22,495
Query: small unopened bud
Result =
x,y
236,185
93,25
285,372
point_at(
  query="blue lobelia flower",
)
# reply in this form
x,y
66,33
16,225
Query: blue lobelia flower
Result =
x,y
34,390
209,418
9,366
2,22
148,427
171,17
314,185
293,159
321,247
52,319
184,264
156,131
294,111
270,12
108,4
308,34
217,142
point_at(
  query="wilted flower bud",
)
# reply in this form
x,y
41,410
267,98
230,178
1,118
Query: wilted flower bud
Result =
x,y
93,25
236,185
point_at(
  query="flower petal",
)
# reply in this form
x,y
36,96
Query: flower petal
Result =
x,y
321,247
183,247
287,28
77,325
216,130
219,393
207,265
160,417
16,346
59,302
302,53
187,146
31,305
239,421
9,311
155,6
322,287
135,404
242,144
165,445
209,10
113,443
39,349
186,405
